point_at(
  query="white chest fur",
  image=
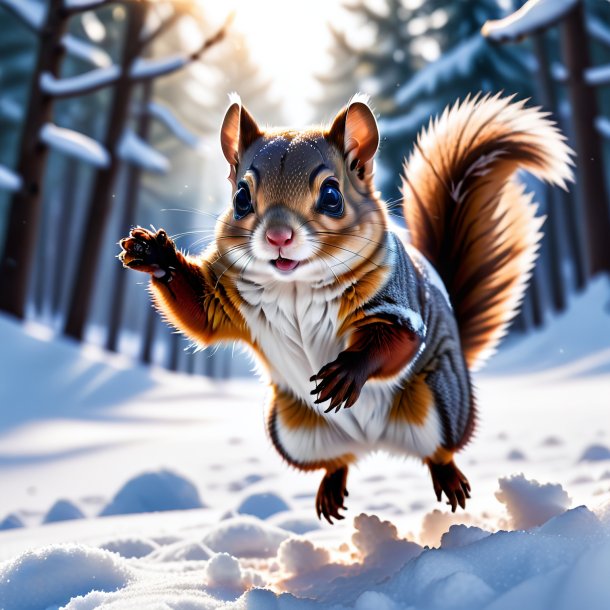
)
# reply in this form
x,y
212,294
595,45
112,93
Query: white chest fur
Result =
x,y
295,326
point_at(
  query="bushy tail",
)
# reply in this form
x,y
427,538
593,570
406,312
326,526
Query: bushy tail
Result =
x,y
471,219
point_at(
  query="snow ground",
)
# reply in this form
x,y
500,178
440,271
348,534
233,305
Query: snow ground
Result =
x,y
83,433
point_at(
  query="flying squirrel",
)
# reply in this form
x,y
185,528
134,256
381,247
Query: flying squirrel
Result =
x,y
368,333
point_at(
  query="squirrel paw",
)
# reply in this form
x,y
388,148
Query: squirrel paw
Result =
x,y
340,381
331,495
448,478
153,253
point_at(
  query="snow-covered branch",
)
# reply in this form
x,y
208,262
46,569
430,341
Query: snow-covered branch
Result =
x,y
31,13
75,144
602,124
144,69
598,30
135,150
164,115
81,84
163,27
82,49
598,75
559,72
11,109
9,180
80,6
533,16
448,67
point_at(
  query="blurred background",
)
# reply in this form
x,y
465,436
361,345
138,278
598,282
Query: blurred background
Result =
x,y
110,112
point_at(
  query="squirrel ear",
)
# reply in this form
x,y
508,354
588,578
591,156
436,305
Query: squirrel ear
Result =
x,y
355,132
238,132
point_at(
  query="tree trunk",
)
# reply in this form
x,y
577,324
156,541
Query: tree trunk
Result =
x,y
590,167
149,336
130,205
554,208
175,340
25,210
69,194
101,202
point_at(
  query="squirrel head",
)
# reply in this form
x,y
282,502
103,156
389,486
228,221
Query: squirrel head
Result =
x,y
303,205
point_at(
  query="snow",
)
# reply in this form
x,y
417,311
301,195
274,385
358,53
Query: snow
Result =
x,y
74,144
168,118
598,75
447,68
63,510
533,16
598,30
32,12
9,180
245,537
143,68
95,428
529,503
262,505
86,51
602,124
11,109
51,576
595,453
154,491
83,5
135,150
80,84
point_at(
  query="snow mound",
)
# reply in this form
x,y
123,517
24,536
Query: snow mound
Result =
x,y
379,543
245,537
595,453
530,503
154,491
49,577
130,547
246,481
297,556
11,522
462,535
223,570
63,510
182,551
436,523
262,505
294,523
373,600
577,522
516,455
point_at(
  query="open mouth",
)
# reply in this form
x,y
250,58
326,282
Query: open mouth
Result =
x,y
285,264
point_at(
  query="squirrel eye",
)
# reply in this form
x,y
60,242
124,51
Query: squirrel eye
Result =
x,y
330,201
242,203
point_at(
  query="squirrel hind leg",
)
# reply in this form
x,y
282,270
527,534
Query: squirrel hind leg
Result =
x,y
447,478
331,494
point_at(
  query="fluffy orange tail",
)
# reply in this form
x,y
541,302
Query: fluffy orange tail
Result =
x,y
468,216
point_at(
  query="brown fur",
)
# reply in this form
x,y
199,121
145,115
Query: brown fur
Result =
x,y
471,222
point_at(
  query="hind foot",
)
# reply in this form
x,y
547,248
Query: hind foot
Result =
x,y
448,478
331,495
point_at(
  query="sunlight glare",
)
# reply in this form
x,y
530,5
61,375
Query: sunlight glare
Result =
x,y
290,42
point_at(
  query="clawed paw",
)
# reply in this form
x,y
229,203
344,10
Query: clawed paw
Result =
x,y
150,252
450,480
331,495
340,381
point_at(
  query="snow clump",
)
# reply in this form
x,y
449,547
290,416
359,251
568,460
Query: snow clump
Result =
x,y
154,491
52,576
530,503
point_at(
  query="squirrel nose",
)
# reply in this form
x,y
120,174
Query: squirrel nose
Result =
x,y
279,236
